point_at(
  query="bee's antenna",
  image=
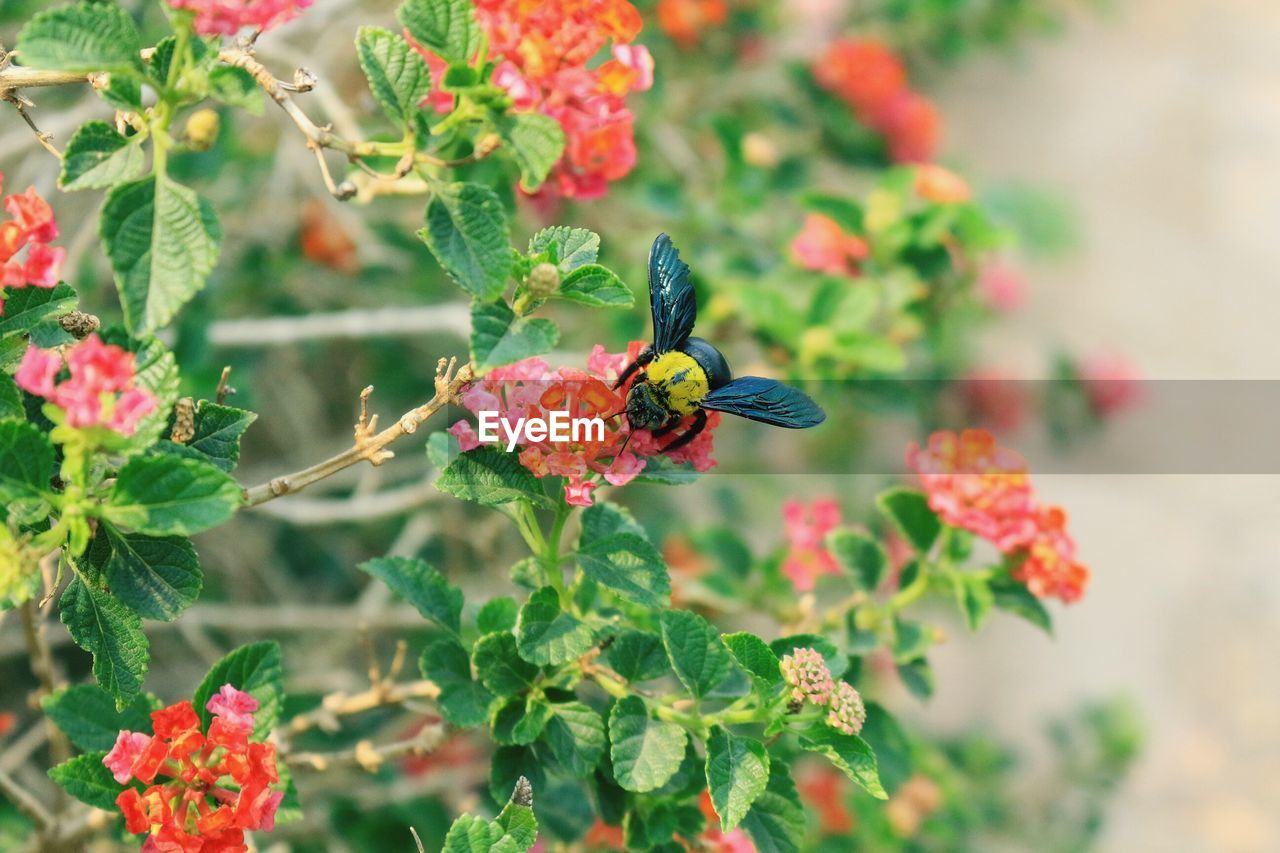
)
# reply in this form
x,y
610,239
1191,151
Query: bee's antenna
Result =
x,y
618,455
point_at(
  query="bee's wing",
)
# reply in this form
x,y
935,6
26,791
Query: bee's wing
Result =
x,y
671,296
765,400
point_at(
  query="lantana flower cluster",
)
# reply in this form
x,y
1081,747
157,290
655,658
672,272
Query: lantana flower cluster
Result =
x,y
541,51
868,77
806,673
228,17
976,485
30,226
807,526
101,389
204,790
531,389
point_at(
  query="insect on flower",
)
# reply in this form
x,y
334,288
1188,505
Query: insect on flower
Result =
x,y
685,375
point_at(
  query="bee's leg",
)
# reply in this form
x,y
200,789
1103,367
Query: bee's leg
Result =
x,y
642,360
667,428
699,424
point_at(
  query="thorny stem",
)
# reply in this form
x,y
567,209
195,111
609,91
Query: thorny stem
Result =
x,y
368,444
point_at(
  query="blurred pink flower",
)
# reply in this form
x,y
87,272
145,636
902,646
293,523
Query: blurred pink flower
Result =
x,y
228,17
1111,383
1001,286
823,246
807,527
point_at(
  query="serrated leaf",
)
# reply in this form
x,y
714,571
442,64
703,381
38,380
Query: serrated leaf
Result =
x,y
235,87
162,239
911,639
628,565
645,753
256,669
776,821
737,773
87,779
575,735
422,586
572,247
81,37
11,406
447,28
218,430
167,495
861,556
98,156
87,715
517,816
471,834
910,513
490,477
463,701
509,764
638,656
850,753
26,461
755,658
500,666
467,232
101,625
535,141
27,307
520,720
890,744
546,634
693,646
398,75
499,337
498,614
604,518
1015,598
155,577
592,284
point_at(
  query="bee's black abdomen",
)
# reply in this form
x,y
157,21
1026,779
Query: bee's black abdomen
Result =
x,y
710,360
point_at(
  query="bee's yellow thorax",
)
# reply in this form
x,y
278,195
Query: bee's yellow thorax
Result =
x,y
684,382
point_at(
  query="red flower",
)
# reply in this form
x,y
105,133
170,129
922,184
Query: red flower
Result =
x,y
807,527
685,20
227,17
31,226
100,391
1050,569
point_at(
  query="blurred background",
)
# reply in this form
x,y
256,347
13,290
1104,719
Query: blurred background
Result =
x,y
1134,147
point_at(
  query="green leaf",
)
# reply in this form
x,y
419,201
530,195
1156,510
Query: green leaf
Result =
x,y
498,614
861,556
101,625
87,715
756,658
776,822
97,157
595,285
645,752
398,75
699,658
974,597
256,669
499,337
11,407
218,430
81,37
490,477
509,764
575,735
891,746
235,87
467,232
471,834
911,639
1015,598
164,494
458,76
638,656
162,239
628,565
909,511
737,772
463,701
157,578
447,28
500,666
917,676
26,461
520,720
850,753
517,816
547,635
535,142
603,519
572,247
27,307
87,779
422,586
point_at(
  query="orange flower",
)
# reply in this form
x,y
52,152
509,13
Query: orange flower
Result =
x,y
823,246
685,20
939,185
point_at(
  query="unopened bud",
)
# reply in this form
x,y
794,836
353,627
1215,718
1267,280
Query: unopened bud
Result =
x,y
79,324
202,129
543,280
486,145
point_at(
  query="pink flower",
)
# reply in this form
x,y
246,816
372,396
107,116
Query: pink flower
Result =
x,y
232,705
524,95
1111,383
807,526
121,758
228,17
823,246
1001,286
44,263
37,370
131,407
467,438
624,468
103,366
32,226
100,391
578,494
33,215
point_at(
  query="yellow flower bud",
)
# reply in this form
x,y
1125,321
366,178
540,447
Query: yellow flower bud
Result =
x,y
202,129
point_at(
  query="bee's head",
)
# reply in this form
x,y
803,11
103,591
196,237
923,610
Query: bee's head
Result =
x,y
644,409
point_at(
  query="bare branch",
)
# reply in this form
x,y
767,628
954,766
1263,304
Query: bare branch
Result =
x,y
358,323
26,803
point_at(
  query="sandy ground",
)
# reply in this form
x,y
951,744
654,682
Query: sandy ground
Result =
x,y
1160,121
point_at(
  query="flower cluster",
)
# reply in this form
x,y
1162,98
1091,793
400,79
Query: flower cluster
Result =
x,y
100,390
823,246
228,17
806,673
807,527
216,784
974,484
871,80
530,389
685,20
541,51
30,226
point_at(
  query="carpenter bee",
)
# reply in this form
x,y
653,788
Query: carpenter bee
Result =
x,y
684,375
